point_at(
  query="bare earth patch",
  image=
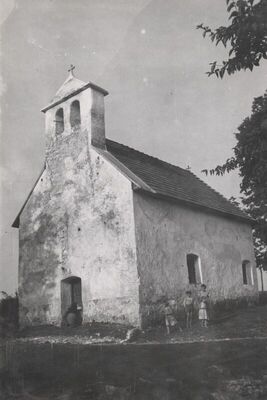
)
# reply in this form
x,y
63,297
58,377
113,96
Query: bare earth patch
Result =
x,y
247,323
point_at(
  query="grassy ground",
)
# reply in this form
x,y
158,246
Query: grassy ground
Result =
x,y
247,323
227,361
225,370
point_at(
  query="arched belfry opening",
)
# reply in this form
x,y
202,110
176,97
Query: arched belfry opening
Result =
x,y
75,114
71,293
59,120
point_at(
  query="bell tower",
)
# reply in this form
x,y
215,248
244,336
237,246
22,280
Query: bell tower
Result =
x,y
76,107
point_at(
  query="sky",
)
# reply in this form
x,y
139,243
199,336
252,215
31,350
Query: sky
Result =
x,y
152,60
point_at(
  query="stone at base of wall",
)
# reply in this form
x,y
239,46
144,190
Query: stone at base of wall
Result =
x,y
122,310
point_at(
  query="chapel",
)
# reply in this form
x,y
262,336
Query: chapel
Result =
x,y
118,231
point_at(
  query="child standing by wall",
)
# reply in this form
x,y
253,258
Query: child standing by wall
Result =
x,y
203,291
170,320
203,313
188,304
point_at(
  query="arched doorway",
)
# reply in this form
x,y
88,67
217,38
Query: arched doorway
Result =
x,y
71,292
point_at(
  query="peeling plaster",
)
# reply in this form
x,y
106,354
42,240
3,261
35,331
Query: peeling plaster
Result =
x,y
78,222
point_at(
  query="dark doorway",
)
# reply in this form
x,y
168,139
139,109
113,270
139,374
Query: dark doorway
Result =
x,y
71,292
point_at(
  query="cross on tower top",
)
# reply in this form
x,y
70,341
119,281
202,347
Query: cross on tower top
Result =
x,y
71,68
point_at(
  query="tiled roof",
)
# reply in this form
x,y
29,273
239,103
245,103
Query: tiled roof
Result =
x,y
165,180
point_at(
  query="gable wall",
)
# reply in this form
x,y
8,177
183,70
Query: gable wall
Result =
x,y
78,222
167,232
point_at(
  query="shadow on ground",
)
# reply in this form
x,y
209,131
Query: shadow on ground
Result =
x,y
210,367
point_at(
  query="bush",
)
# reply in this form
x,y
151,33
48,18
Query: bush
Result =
x,y
9,315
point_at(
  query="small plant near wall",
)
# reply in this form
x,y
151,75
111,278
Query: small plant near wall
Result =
x,y
9,318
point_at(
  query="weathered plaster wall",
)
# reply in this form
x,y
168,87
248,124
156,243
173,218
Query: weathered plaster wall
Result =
x,y
167,232
104,251
78,222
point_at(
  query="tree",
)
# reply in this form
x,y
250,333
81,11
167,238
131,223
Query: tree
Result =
x,y
250,157
246,36
246,39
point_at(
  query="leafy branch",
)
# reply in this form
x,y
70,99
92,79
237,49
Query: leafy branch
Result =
x,y
246,35
229,165
250,158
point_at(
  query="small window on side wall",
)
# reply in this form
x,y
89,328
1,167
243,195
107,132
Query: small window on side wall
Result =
x,y
194,269
59,121
247,273
75,114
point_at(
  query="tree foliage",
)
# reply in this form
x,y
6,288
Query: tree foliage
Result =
x,y
250,157
246,37
246,40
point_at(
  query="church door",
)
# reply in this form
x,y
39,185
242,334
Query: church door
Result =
x,y
71,292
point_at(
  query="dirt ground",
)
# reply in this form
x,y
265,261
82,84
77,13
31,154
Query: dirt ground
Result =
x,y
246,323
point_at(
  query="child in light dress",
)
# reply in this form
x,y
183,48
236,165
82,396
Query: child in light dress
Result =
x,y
203,313
188,304
203,306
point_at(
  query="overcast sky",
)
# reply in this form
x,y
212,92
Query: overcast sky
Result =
x,y
151,59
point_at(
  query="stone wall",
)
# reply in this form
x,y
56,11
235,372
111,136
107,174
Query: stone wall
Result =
x,y
166,232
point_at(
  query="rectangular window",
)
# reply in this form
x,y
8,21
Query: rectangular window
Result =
x,y
194,269
247,273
